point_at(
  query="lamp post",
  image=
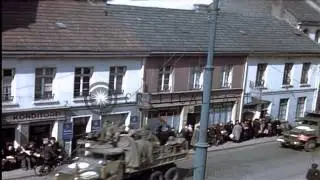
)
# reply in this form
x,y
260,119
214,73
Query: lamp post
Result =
x,y
202,144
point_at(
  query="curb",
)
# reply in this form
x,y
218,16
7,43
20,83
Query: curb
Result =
x,y
240,146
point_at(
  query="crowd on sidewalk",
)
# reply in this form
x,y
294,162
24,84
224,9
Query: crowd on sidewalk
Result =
x,y
239,131
32,154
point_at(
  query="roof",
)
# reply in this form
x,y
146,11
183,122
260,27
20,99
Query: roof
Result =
x,y
302,10
129,28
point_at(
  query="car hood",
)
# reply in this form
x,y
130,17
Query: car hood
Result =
x,y
302,129
84,164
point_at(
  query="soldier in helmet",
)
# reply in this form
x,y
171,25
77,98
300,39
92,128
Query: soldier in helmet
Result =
x,y
313,172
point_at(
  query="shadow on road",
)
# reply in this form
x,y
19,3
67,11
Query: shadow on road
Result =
x,y
185,173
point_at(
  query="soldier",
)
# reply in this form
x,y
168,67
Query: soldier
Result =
x,y
313,173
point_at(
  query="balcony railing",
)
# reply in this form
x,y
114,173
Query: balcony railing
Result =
x,y
7,98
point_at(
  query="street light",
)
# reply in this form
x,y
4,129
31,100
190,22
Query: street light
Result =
x,y
202,144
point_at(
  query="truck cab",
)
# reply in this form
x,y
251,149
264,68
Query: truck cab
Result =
x,y
305,134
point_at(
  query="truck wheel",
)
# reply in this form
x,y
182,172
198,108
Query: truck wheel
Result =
x,y
157,175
172,174
310,145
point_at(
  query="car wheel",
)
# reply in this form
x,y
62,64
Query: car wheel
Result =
x,y
284,145
310,145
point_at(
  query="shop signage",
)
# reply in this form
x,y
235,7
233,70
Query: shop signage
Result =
x,y
95,126
190,98
39,115
67,131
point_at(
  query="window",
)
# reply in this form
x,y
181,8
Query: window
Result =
x,y
164,78
7,77
226,79
43,84
300,107
82,81
221,113
196,78
317,36
116,79
260,77
283,109
287,74
305,73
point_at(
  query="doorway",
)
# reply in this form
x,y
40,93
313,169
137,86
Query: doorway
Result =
x,y
79,131
8,136
193,119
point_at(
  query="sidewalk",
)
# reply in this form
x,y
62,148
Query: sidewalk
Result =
x,y
232,145
17,174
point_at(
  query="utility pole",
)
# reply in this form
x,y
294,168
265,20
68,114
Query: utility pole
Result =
x,y
202,144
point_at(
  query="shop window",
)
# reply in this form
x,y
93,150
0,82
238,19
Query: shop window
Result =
x,y
8,135
116,76
38,132
43,84
7,78
82,81
221,113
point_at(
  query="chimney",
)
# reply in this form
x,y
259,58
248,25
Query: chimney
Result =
x,y
201,8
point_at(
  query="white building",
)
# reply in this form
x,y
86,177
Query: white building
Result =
x,y
55,61
51,89
289,85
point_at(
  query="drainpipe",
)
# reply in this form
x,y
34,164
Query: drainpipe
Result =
x,y
202,144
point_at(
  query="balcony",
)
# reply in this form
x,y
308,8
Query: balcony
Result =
x,y
185,98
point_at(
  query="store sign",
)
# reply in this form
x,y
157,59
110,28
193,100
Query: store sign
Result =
x,y
67,131
95,126
40,115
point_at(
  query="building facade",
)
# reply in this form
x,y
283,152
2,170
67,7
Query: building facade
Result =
x,y
44,93
173,88
287,87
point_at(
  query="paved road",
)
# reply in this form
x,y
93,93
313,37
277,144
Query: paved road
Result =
x,y
263,162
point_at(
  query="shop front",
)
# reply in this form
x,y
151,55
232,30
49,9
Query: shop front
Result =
x,y
84,120
183,108
23,127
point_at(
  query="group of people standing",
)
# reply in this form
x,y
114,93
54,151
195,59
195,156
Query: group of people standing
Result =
x,y
237,132
31,154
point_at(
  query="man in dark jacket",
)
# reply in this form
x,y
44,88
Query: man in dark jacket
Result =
x,y
49,155
313,173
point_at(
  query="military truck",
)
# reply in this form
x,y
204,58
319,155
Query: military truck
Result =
x,y
306,134
120,156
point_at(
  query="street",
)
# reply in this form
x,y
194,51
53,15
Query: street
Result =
x,y
263,162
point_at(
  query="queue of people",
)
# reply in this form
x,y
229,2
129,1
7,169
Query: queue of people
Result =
x,y
31,154
237,132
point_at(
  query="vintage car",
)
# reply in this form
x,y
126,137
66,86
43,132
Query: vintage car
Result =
x,y
305,134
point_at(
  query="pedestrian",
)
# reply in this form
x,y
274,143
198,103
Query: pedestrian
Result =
x,y
236,132
195,136
313,172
